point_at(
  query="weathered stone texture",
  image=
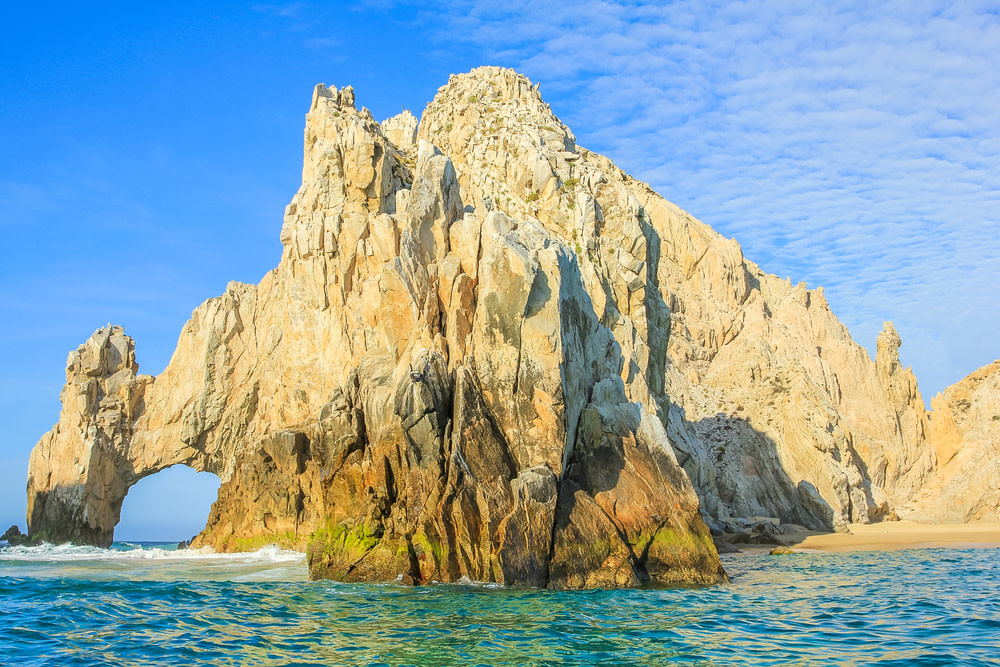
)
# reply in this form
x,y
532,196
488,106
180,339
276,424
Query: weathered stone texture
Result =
x,y
488,353
965,434
403,392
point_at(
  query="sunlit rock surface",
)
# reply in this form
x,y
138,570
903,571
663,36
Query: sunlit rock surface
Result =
x,y
965,433
489,353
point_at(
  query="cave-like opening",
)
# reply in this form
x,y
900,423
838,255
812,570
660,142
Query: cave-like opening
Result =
x,y
169,506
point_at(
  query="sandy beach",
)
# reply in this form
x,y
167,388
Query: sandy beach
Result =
x,y
893,535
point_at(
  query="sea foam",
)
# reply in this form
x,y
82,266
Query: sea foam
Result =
x,y
130,551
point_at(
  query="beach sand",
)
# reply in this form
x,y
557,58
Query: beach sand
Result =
x,y
893,535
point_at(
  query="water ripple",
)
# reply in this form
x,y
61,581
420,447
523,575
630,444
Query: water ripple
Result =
x,y
925,607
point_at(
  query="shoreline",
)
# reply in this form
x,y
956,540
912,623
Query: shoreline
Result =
x,y
896,535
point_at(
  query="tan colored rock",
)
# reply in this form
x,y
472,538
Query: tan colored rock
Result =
x,y
489,353
778,411
401,130
965,433
78,473
402,393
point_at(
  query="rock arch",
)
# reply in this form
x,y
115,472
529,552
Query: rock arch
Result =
x,y
81,470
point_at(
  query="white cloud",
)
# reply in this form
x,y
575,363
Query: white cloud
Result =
x,y
852,145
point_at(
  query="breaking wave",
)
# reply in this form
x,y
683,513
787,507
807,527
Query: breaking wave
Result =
x,y
130,551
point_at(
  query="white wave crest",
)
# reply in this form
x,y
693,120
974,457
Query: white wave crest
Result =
x,y
126,551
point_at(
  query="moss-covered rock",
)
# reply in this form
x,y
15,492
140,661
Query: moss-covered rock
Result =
x,y
335,549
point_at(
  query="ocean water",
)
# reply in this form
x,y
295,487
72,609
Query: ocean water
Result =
x,y
145,604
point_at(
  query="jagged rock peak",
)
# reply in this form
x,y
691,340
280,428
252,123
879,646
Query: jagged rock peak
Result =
x,y
342,99
490,84
887,350
506,143
108,351
490,98
401,130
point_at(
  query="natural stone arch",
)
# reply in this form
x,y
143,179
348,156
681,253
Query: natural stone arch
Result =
x,y
81,470
492,463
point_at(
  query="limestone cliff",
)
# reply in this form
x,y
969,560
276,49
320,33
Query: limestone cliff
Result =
x,y
774,410
965,433
75,487
489,353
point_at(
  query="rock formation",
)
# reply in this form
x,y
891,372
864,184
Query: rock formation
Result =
x,y
774,410
965,434
15,538
489,353
420,389
76,478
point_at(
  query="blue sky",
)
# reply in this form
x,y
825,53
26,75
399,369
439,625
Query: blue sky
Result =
x,y
147,153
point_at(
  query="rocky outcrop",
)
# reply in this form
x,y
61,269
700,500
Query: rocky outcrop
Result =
x,y
489,353
965,434
15,538
421,389
774,410
79,472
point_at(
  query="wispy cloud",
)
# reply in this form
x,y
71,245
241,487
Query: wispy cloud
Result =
x,y
851,145
320,43
285,10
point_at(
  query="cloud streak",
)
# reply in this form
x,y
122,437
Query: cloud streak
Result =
x,y
852,145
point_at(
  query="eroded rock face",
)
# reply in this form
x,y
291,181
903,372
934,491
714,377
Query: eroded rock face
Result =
x,y
965,433
490,353
420,389
80,471
775,410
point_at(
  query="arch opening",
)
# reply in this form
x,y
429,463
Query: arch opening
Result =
x,y
171,505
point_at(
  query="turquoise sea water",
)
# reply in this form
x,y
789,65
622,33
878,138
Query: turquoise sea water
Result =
x,y
145,604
